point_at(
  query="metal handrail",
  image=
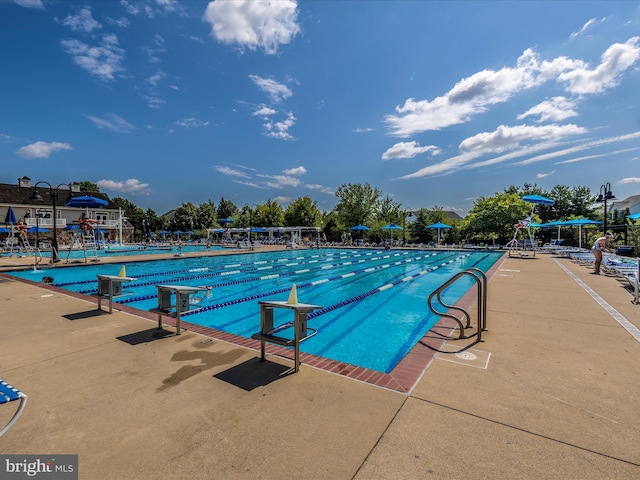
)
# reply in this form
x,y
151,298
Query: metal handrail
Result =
x,y
481,281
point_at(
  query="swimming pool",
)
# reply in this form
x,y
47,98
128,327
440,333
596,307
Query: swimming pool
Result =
x,y
374,302
122,250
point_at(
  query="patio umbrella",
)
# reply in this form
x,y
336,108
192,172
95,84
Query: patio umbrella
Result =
x,y
10,217
38,230
539,199
390,227
226,220
4,230
75,226
580,222
85,201
439,226
634,216
360,227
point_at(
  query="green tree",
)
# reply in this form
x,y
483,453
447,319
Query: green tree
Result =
x,y
227,209
206,216
269,214
133,213
358,204
495,217
87,186
302,212
185,217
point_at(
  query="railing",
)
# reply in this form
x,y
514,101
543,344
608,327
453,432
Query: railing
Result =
x,y
481,282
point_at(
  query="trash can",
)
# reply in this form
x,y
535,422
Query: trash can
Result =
x,y
625,250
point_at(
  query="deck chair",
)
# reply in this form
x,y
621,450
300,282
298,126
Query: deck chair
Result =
x,y
10,394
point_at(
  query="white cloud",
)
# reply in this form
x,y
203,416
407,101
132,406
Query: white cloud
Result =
x,y
83,21
543,175
113,123
280,130
230,171
281,200
320,188
615,61
363,130
280,181
191,122
477,93
501,139
600,155
507,138
42,149
104,60
253,24
630,180
30,3
263,111
590,23
132,185
555,109
276,91
295,171
408,150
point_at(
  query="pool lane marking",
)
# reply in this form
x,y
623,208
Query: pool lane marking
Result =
x,y
617,316
252,279
310,284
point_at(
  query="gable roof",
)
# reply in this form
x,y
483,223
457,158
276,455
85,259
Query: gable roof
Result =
x,y
12,194
628,202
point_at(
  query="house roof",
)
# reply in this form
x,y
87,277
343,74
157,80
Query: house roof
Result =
x,y
13,194
628,202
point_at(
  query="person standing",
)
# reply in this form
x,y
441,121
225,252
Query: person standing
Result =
x,y
600,245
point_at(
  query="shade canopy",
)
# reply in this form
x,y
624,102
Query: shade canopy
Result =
x,y
226,220
539,199
438,225
634,216
85,201
38,229
360,227
392,226
4,230
258,230
581,221
10,217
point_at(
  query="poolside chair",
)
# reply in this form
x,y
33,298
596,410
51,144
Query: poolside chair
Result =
x,y
10,394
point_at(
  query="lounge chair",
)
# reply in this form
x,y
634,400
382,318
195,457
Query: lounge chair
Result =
x,y
10,394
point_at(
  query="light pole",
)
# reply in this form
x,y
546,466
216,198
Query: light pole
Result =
x,y
605,194
53,193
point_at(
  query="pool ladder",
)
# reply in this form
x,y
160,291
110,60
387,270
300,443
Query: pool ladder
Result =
x,y
481,281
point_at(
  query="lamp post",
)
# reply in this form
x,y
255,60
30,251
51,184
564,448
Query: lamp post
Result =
x,y
605,194
53,194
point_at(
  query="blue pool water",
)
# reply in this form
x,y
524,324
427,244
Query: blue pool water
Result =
x,y
374,302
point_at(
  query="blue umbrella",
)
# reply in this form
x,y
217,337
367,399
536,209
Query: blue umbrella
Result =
x,y
85,201
226,220
75,226
634,216
10,217
438,225
539,199
4,230
37,229
392,226
580,222
360,227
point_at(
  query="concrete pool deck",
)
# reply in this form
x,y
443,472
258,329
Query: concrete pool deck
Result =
x,y
552,392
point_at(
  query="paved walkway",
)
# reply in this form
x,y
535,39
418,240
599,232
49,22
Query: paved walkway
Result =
x,y
553,392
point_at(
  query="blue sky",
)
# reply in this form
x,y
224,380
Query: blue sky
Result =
x,y
435,103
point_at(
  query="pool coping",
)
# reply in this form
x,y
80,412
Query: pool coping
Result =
x,y
402,378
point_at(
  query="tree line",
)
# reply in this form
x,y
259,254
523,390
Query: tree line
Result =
x,y
491,219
